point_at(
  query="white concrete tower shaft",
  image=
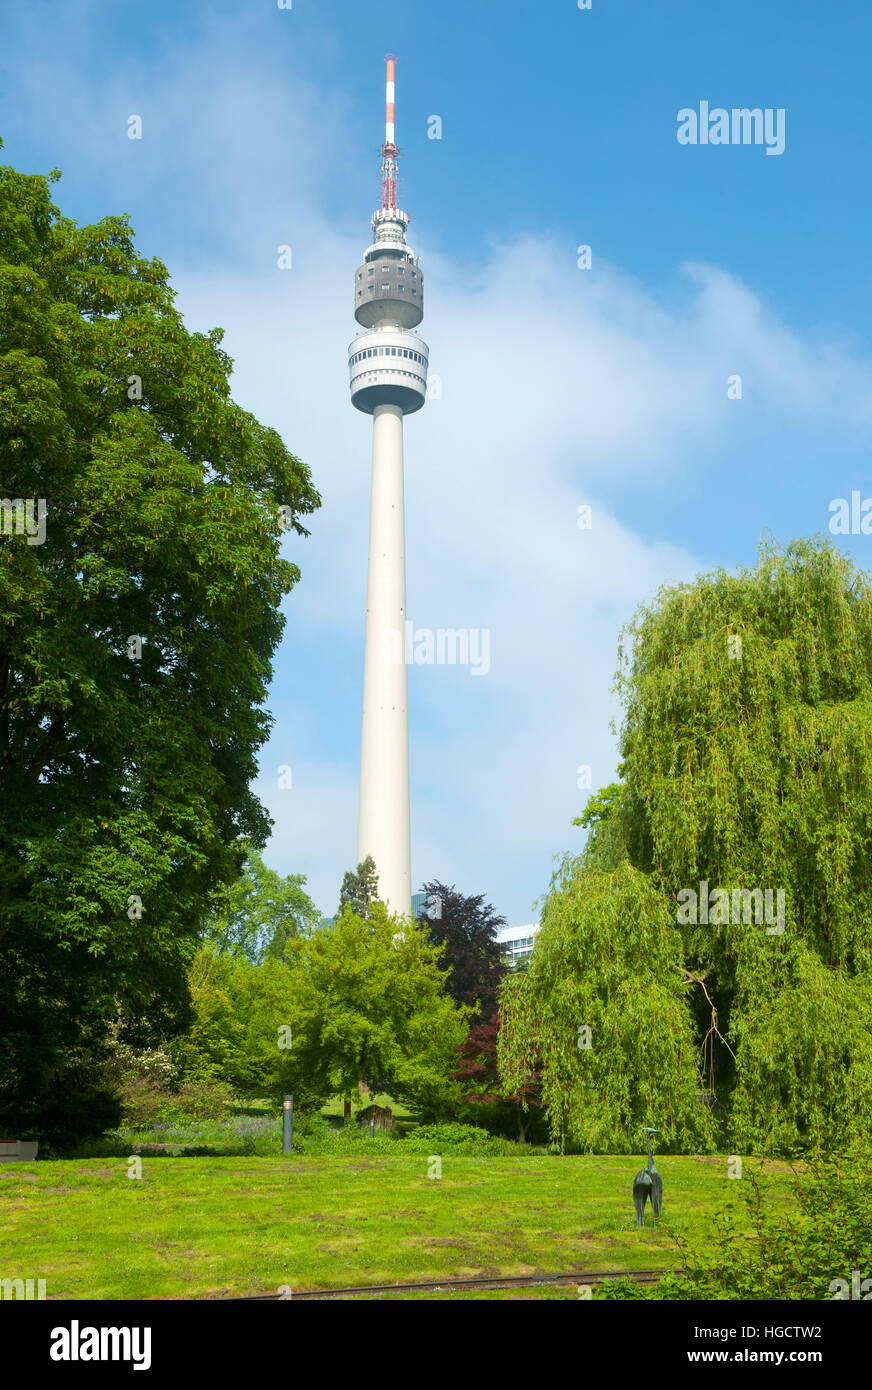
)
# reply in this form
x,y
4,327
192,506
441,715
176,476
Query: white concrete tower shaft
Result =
x,y
388,377
384,826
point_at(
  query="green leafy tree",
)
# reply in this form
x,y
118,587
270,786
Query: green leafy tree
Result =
x,y
603,1008
260,913
247,1020
747,765
369,1005
362,1000
359,889
212,1048
603,818
135,639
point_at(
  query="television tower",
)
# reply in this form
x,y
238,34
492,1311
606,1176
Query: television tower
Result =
x,y
388,375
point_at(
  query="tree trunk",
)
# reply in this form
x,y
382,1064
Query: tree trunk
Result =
x,y
347,1114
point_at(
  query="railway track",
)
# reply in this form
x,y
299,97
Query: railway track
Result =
x,y
514,1281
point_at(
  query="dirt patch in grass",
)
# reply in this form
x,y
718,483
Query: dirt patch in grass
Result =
x,y
444,1242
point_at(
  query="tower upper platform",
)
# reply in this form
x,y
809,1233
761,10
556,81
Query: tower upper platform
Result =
x,y
389,285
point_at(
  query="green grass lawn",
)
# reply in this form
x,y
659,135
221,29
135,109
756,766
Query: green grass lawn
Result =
x,y
192,1227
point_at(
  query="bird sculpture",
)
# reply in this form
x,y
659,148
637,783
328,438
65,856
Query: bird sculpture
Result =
x,y
647,1183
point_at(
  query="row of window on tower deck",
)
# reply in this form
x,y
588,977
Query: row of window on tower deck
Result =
x,y
389,352
397,371
386,269
401,289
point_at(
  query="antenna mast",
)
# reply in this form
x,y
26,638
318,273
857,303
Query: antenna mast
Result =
x,y
389,148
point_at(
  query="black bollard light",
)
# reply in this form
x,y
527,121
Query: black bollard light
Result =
x,y
287,1124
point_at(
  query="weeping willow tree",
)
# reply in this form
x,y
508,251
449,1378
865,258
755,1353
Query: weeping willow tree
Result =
x,y
747,770
609,1015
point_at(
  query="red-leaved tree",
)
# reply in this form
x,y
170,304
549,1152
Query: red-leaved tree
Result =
x,y
478,1067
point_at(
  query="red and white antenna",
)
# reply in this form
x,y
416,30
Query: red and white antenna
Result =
x,y
389,98
389,148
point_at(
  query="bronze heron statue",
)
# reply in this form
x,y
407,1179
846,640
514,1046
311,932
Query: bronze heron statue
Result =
x,y
647,1183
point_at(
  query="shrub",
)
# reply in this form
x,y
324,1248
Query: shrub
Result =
x,y
452,1132
201,1100
153,1089
350,1139
467,1141
447,1138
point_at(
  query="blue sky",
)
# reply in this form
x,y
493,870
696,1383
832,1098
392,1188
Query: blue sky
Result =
x,y
561,386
